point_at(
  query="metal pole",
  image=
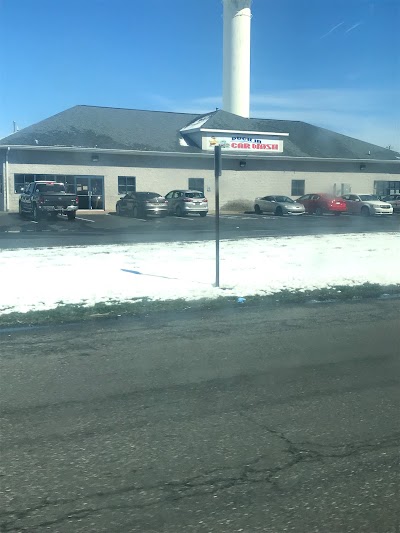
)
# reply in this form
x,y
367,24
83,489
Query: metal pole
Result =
x,y
217,173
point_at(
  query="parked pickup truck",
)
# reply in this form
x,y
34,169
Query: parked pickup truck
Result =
x,y
47,197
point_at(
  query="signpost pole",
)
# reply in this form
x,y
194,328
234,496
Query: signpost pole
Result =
x,y
217,174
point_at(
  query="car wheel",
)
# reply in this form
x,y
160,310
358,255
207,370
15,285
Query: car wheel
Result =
x,y
118,210
135,212
178,211
21,213
279,211
257,209
71,215
319,212
203,214
365,211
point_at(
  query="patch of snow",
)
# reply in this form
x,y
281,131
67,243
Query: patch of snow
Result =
x,y
43,278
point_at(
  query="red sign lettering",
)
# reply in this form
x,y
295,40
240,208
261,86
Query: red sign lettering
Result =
x,y
253,146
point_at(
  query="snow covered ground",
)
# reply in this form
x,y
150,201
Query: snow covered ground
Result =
x,y
43,278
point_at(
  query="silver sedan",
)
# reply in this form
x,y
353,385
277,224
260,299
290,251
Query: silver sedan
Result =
x,y
278,205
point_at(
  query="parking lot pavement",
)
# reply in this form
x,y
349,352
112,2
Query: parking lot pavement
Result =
x,y
107,228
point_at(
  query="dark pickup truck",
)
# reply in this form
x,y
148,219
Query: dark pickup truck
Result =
x,y
47,197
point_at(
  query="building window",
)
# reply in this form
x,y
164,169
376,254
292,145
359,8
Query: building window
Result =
x,y
298,187
384,188
196,184
126,184
20,181
70,181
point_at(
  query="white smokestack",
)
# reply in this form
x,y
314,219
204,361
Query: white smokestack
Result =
x,y
236,61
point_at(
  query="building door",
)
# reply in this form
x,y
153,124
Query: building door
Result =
x,y
342,188
96,192
90,192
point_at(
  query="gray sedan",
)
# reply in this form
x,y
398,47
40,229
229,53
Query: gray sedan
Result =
x,y
278,205
393,200
142,204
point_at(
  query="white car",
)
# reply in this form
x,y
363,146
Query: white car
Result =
x,y
366,204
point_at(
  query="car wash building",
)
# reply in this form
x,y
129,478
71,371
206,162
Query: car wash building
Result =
x,y
102,153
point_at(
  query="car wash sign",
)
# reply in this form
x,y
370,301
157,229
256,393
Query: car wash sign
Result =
x,y
244,144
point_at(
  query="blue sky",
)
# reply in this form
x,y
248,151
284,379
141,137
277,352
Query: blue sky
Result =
x,y
331,63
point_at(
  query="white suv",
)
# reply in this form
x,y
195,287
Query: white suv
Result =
x,y
366,204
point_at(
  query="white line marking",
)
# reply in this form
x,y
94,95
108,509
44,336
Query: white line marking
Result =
x,y
13,231
34,222
85,219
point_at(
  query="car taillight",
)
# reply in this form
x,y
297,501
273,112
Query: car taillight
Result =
x,y
77,200
205,200
188,199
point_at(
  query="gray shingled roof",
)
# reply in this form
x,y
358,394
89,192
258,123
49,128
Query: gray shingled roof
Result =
x,y
132,129
107,127
305,140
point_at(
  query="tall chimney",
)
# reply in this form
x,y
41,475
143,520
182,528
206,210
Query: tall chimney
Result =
x,y
236,60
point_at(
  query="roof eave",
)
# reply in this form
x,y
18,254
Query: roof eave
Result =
x,y
242,155
244,132
236,132
95,150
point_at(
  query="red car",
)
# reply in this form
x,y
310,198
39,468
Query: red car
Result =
x,y
323,203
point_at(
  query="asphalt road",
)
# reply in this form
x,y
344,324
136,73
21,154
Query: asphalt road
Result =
x,y
246,420
96,228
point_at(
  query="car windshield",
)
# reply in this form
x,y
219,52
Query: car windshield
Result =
x,y
50,187
194,195
368,197
284,199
